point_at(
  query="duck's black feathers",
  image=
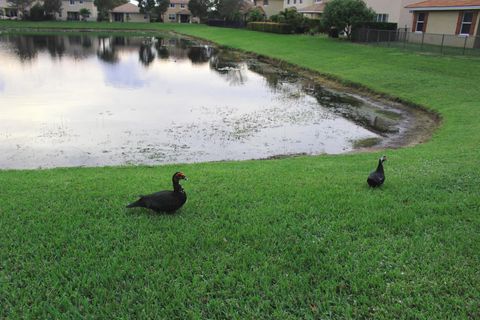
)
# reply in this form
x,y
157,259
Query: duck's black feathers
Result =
x,y
377,177
163,201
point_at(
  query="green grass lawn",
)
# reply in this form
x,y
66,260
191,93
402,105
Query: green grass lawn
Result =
x,y
294,238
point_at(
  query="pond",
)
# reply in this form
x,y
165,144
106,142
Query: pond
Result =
x,y
77,99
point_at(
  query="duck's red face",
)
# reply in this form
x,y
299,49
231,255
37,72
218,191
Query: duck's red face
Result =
x,y
180,176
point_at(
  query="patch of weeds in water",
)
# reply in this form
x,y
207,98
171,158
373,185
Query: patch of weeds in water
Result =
x,y
366,143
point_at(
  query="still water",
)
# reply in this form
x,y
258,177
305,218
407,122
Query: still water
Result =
x,y
91,100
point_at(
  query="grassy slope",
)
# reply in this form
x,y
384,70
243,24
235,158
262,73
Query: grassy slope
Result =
x,y
300,237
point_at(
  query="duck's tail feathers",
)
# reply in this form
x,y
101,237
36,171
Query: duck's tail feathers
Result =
x,y
137,203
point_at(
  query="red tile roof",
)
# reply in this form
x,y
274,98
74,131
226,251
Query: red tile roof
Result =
x,y
127,8
444,4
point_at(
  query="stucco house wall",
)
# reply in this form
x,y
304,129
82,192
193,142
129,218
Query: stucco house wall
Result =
x,y
177,12
445,22
299,4
442,22
395,9
270,7
74,6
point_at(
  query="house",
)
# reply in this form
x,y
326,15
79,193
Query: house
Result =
x,y
392,11
6,11
387,10
128,12
450,17
178,12
71,10
269,7
311,9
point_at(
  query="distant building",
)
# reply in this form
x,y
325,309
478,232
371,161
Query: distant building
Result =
x,y
178,12
269,7
128,12
392,11
449,17
71,10
386,10
311,9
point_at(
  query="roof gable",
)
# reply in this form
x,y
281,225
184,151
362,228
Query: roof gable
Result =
x,y
127,8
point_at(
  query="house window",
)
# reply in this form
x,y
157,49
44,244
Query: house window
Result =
x,y
466,23
265,2
288,1
172,17
81,1
382,17
182,5
420,22
172,5
72,2
318,1
300,1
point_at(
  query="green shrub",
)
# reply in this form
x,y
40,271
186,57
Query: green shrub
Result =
x,y
37,13
272,27
255,15
379,25
291,17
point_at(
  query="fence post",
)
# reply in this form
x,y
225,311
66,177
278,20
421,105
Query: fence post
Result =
x,y
441,47
405,39
378,37
368,32
388,39
465,45
423,38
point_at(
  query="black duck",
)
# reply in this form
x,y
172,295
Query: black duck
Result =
x,y
166,200
377,177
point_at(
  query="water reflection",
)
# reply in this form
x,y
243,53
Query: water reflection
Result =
x,y
69,100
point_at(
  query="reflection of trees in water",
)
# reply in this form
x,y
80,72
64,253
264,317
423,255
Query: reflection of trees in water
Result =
x,y
106,51
200,54
24,47
146,54
27,47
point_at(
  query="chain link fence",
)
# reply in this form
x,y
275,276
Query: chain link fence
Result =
x,y
420,41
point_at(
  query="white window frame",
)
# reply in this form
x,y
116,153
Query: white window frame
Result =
x,y
182,5
172,5
382,17
72,2
265,2
420,21
466,23
172,17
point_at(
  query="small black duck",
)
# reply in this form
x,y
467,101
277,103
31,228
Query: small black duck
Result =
x,y
166,200
377,177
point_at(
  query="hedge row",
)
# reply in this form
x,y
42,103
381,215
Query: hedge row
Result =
x,y
272,27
